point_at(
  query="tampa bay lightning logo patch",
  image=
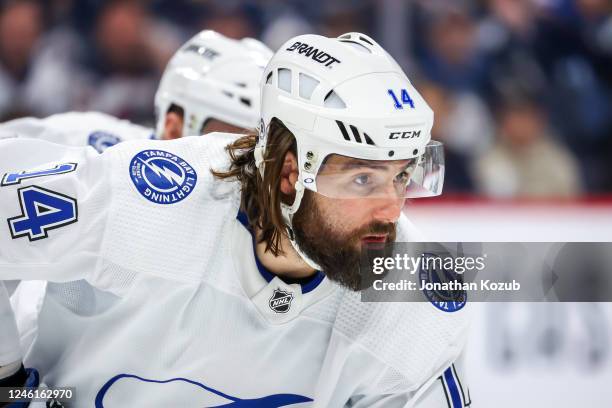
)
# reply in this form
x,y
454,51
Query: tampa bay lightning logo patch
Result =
x,y
444,300
101,140
162,177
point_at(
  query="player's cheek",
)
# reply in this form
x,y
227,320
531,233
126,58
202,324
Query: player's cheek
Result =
x,y
352,214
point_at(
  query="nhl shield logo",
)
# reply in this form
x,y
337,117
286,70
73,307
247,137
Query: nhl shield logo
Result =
x,y
280,302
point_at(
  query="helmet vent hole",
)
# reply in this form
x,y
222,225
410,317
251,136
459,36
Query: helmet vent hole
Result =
x,y
245,101
357,46
307,85
332,100
269,78
365,40
228,94
284,79
241,84
346,36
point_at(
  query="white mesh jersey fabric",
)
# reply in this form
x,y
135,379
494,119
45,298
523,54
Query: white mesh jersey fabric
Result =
x,y
385,348
172,241
414,339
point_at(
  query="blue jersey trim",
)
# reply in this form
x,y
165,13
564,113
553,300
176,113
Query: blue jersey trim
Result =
x,y
313,283
270,401
308,286
452,388
33,378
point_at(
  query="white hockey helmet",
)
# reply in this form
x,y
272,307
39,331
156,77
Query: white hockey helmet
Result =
x,y
348,97
213,77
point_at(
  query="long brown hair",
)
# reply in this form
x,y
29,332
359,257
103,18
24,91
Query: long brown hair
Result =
x,y
261,196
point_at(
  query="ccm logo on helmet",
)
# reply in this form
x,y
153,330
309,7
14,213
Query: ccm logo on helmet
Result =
x,y
319,56
411,134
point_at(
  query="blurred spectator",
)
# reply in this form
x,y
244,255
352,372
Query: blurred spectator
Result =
x,y
526,161
576,54
465,127
505,36
232,21
462,121
451,57
283,27
34,77
120,72
344,17
595,17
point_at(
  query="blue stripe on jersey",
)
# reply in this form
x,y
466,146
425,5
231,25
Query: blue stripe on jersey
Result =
x,y
452,388
244,220
466,400
270,401
308,286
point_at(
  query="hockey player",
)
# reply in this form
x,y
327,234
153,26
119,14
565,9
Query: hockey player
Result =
x,y
211,84
222,271
212,80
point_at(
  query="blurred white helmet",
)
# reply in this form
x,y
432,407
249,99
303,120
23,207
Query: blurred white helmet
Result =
x,y
213,77
347,97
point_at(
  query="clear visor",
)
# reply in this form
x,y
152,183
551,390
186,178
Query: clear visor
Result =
x,y
348,177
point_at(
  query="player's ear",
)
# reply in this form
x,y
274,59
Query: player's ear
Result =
x,y
289,174
173,126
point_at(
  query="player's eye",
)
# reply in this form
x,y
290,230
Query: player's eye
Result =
x,y
362,180
403,177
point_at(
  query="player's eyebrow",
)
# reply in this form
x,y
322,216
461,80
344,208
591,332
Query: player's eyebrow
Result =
x,y
356,163
353,164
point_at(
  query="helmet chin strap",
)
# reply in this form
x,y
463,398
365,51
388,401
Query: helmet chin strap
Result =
x,y
259,160
288,212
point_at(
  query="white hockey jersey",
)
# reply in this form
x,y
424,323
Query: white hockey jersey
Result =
x,y
155,297
94,129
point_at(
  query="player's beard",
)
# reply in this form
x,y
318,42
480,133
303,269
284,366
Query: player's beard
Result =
x,y
337,252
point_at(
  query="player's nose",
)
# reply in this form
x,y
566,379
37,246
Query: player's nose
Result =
x,y
388,209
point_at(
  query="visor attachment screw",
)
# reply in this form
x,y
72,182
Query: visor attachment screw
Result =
x,y
415,151
391,153
307,165
309,155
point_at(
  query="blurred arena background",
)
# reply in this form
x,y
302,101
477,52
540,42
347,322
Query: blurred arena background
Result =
x,y
522,93
531,354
